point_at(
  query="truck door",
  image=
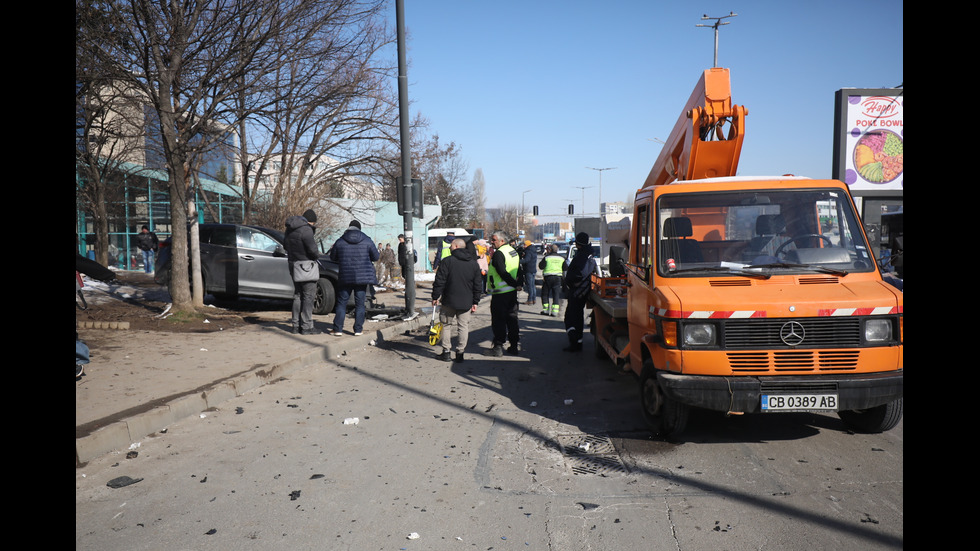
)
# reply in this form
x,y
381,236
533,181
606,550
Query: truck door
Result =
x,y
641,244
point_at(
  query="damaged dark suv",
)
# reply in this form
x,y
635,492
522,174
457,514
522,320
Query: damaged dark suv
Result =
x,y
249,261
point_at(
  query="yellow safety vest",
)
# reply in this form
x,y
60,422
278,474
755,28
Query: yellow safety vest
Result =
x,y
552,265
496,285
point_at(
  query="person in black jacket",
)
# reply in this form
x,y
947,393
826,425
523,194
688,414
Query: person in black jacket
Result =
x,y
403,260
301,246
459,286
578,284
148,243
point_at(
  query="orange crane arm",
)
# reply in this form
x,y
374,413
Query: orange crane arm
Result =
x,y
699,146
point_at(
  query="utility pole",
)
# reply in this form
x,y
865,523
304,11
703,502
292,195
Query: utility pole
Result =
x,y
602,220
522,211
583,188
715,26
600,184
407,221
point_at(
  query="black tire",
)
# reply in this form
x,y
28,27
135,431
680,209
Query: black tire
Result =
x,y
666,417
874,420
325,297
600,352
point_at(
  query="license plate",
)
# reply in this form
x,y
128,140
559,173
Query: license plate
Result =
x,y
799,402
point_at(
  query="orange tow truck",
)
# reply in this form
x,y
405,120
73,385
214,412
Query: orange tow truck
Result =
x,y
747,294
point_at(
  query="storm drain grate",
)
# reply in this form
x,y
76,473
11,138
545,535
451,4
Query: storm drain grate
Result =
x,y
590,454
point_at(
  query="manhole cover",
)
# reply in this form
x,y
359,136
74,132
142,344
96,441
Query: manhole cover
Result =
x,y
590,454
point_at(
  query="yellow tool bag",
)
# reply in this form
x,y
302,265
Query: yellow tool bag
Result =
x,y
435,327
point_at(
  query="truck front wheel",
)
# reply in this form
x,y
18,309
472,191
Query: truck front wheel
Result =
x,y
873,420
665,416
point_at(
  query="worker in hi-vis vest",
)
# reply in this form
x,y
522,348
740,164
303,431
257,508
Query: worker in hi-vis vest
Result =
x,y
503,282
553,267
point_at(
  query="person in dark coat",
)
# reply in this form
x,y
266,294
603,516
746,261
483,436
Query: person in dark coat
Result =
x,y
530,262
355,253
578,284
300,245
403,256
459,286
148,243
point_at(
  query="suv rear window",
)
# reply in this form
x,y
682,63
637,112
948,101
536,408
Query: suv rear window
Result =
x,y
221,236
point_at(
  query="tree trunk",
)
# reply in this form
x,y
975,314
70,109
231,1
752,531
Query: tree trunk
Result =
x,y
197,284
180,291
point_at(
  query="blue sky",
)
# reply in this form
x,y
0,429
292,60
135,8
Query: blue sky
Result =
x,y
535,91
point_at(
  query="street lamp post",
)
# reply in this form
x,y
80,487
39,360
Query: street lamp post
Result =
x,y
715,27
522,211
583,188
599,170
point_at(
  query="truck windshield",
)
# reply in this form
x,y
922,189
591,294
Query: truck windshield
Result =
x,y
764,231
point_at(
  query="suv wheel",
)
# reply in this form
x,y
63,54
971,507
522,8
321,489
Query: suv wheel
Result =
x,y
325,297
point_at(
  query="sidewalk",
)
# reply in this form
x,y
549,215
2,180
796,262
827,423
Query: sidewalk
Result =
x,y
123,398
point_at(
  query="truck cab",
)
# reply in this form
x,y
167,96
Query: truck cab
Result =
x,y
760,295
748,294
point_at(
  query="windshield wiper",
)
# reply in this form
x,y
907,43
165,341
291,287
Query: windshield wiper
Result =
x,y
822,269
732,271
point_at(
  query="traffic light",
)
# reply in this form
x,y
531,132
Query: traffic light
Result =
x,y
409,200
571,209
535,210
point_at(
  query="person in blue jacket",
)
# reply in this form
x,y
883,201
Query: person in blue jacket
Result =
x,y
355,253
530,262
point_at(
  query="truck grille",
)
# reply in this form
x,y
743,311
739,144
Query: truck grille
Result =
x,y
769,333
793,360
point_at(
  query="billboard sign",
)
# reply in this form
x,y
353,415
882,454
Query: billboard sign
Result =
x,y
869,139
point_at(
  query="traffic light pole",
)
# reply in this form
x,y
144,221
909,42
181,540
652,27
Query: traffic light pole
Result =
x,y
406,179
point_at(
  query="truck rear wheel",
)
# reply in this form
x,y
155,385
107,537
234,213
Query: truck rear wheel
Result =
x,y
666,417
873,420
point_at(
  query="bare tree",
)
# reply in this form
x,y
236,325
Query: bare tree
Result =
x,y
314,120
189,59
108,126
504,218
478,187
107,149
443,171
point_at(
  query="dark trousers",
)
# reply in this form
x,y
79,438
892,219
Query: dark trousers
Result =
x,y
529,279
551,290
503,318
303,295
575,319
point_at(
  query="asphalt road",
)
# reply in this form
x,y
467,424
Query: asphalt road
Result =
x,y
389,448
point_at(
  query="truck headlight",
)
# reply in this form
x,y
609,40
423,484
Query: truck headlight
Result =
x,y
700,334
878,330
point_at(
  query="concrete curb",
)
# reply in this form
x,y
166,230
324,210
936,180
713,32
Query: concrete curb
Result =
x,y
102,325
121,434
